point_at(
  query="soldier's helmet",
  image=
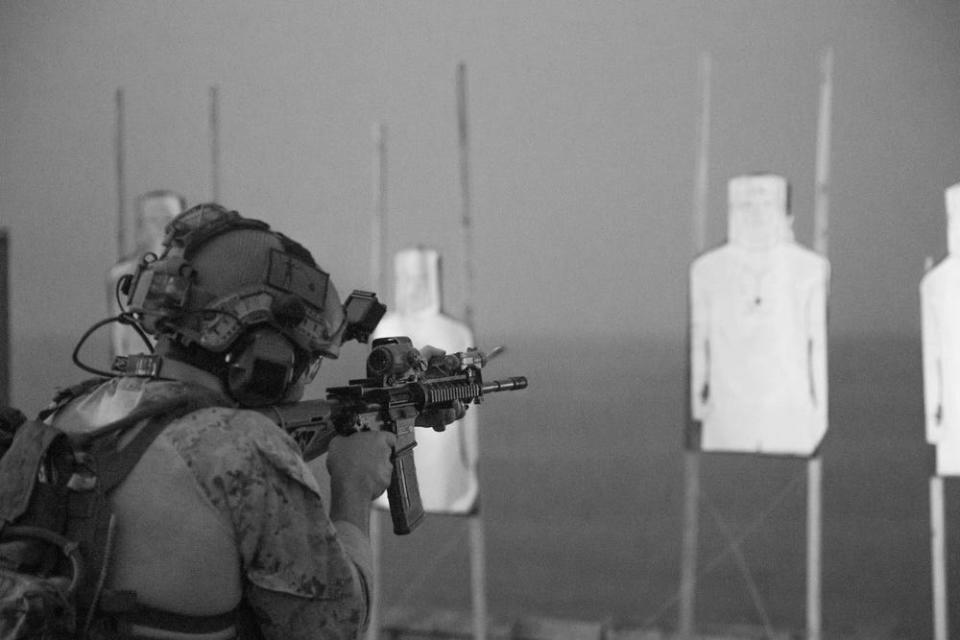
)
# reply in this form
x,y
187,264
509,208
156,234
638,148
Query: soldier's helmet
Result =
x,y
231,285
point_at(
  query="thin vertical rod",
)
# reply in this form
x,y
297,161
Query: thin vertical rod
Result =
x,y
477,550
821,219
466,220
691,528
378,280
4,317
938,543
215,143
821,206
376,588
378,237
691,495
478,575
701,180
814,545
120,168
938,548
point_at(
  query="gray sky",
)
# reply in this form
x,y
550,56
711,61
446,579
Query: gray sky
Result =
x,y
583,120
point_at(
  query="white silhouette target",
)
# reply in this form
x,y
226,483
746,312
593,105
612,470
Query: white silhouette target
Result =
x,y
154,210
940,309
758,330
446,462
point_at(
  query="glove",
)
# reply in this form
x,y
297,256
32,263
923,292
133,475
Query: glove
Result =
x,y
438,366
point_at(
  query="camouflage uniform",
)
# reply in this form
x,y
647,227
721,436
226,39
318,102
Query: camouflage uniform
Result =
x,y
301,576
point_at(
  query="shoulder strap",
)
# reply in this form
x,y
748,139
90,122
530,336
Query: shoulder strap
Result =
x,y
91,517
25,444
64,396
113,463
20,465
172,408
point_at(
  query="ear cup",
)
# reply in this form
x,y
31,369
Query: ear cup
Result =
x,y
260,369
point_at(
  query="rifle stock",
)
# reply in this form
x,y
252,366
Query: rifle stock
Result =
x,y
399,389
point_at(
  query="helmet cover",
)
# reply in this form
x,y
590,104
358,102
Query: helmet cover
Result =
x,y
221,274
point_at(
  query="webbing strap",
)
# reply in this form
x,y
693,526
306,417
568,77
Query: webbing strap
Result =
x,y
19,467
64,396
114,464
177,622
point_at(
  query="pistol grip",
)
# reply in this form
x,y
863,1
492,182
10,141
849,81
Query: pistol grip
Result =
x,y
406,508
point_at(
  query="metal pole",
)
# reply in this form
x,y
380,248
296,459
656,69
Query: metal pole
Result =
x,y
119,165
701,181
691,528
821,205
691,458
376,534
378,280
938,548
378,246
215,143
814,528
477,550
465,204
478,575
4,317
821,221
938,542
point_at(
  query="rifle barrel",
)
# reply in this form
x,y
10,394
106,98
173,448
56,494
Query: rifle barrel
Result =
x,y
514,383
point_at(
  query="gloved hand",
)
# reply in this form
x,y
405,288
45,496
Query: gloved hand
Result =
x,y
438,367
360,464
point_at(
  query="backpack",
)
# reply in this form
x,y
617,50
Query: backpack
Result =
x,y
56,526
